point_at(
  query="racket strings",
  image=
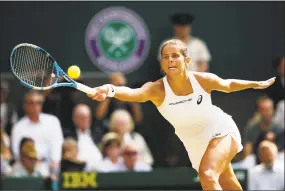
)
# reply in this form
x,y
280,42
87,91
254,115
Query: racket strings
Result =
x,y
33,67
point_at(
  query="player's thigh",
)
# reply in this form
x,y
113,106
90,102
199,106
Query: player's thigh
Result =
x,y
218,154
228,179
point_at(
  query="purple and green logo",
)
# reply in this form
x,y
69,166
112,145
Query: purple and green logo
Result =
x,y
117,40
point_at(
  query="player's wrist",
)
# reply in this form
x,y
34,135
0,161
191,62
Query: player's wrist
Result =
x,y
110,90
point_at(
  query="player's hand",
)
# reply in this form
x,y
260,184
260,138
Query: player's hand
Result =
x,y
264,84
100,93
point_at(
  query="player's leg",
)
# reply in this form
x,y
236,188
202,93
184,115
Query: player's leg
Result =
x,y
217,156
228,179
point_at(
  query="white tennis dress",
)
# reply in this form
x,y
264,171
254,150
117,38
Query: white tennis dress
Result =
x,y
196,120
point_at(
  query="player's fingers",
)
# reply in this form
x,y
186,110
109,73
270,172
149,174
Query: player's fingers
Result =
x,y
89,95
100,91
272,79
101,97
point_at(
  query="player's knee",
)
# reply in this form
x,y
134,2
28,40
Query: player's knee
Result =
x,y
208,175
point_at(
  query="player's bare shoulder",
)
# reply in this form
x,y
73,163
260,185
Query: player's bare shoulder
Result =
x,y
205,79
155,91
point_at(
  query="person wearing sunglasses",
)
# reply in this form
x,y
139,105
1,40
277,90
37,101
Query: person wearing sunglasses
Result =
x,y
131,162
44,129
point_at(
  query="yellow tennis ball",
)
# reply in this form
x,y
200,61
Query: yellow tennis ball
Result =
x,y
73,72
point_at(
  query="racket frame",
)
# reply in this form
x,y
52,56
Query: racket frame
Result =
x,y
58,72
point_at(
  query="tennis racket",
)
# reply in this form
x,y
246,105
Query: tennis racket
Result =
x,y
37,69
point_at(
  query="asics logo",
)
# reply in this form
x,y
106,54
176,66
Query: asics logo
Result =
x,y
200,98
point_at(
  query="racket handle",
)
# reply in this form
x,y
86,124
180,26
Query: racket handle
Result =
x,y
85,88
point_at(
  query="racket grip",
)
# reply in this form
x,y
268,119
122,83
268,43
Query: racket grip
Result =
x,y
85,88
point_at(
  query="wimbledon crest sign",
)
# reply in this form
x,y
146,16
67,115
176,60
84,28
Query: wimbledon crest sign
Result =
x,y
117,40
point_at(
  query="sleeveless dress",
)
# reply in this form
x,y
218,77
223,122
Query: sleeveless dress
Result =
x,y
196,120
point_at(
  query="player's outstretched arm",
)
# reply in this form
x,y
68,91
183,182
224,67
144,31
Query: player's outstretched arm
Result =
x,y
213,82
123,93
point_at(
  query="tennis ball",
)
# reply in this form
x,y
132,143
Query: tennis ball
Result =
x,y
73,72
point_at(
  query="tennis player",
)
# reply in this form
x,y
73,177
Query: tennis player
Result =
x,y
209,135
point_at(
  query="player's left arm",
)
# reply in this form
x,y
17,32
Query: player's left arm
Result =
x,y
213,82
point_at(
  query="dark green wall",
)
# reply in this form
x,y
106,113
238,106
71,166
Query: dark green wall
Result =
x,y
243,37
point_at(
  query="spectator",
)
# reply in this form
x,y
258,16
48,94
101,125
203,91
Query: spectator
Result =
x,y
93,128
269,175
111,147
43,128
85,135
121,122
276,91
6,169
6,154
28,164
262,130
131,162
109,105
278,116
8,112
70,160
198,50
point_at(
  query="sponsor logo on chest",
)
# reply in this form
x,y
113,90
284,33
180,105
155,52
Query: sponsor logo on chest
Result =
x,y
179,102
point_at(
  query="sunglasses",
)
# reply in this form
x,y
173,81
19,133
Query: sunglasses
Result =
x,y
112,143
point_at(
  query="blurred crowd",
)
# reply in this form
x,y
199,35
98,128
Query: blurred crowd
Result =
x,y
51,132
42,142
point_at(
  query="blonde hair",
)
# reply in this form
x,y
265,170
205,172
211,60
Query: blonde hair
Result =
x,y
67,144
121,114
109,137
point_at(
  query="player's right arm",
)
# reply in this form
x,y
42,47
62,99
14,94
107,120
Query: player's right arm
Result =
x,y
123,93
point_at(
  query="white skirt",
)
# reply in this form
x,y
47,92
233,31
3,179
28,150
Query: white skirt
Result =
x,y
196,146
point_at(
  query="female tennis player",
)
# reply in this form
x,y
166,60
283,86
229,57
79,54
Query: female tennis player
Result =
x,y
209,135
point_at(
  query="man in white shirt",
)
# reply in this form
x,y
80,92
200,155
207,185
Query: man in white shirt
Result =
x,y
43,128
197,48
269,175
87,149
131,162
